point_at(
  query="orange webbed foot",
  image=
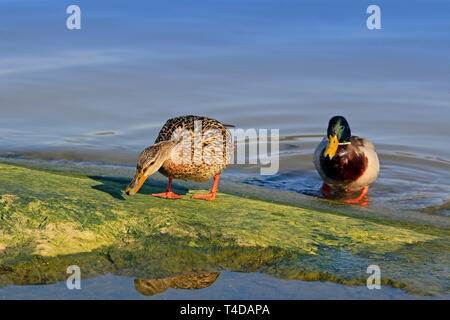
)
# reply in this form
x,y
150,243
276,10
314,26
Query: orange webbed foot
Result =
x,y
212,194
167,195
208,196
362,199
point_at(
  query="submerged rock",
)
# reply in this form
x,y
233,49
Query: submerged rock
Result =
x,y
52,219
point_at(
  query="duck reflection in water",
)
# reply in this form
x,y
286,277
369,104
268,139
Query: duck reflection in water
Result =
x,y
189,281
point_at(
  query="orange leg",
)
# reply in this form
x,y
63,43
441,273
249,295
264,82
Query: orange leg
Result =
x,y
212,194
168,194
325,190
362,197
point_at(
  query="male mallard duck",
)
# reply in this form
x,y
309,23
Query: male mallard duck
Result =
x,y
210,149
346,163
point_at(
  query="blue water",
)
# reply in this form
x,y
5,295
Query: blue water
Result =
x,y
265,64
229,286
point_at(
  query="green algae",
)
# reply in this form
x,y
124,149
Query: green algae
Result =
x,y
50,220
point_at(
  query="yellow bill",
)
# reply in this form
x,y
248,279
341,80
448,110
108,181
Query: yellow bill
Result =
x,y
332,147
136,184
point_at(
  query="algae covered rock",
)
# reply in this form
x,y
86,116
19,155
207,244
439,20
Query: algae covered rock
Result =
x,y
52,219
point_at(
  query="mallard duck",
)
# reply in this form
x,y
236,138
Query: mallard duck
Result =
x,y
346,163
210,149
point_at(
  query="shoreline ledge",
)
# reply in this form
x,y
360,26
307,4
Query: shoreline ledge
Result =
x,y
50,220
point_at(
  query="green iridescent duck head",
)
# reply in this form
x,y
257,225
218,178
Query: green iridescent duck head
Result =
x,y
338,132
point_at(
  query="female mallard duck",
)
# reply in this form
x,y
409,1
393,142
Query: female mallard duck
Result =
x,y
208,151
346,163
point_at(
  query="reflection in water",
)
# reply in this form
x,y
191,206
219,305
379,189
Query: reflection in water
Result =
x,y
189,281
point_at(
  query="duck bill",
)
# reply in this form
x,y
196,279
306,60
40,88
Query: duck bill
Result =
x,y
136,184
332,147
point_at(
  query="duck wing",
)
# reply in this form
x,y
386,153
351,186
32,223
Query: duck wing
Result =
x,y
359,142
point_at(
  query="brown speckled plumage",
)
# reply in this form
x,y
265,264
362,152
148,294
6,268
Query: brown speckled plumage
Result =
x,y
197,170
